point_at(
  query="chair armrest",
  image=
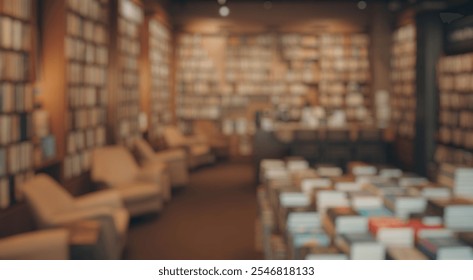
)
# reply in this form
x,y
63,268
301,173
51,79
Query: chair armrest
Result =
x,y
38,245
82,214
152,171
107,198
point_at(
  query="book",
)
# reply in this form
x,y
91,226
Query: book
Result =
x,y
402,206
445,248
342,220
322,253
404,253
360,246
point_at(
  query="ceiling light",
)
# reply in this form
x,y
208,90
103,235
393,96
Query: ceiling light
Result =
x,y
222,2
362,5
224,11
268,5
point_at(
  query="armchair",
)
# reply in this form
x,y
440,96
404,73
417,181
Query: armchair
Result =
x,y
52,207
198,151
39,245
143,190
175,159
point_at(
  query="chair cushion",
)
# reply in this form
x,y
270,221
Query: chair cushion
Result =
x,y
199,150
138,191
171,155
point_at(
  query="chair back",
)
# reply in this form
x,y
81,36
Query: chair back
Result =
x,y
46,198
113,165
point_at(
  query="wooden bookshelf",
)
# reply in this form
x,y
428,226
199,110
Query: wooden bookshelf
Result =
x,y
126,19
223,77
155,64
16,98
403,80
455,127
75,62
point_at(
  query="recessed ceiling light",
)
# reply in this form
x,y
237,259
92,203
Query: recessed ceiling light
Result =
x,y
224,11
362,5
222,2
268,5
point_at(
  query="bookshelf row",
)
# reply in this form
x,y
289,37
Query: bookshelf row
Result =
x,y
84,93
16,98
455,129
334,67
403,80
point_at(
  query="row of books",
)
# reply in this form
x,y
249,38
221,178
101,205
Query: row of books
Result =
x,y
459,82
128,95
85,139
15,97
455,136
403,77
19,8
455,108
88,117
448,154
160,68
370,213
130,110
10,187
129,46
456,101
80,50
93,9
296,39
86,96
15,34
456,64
16,158
131,11
77,164
86,28
14,128
14,66
129,79
456,119
78,73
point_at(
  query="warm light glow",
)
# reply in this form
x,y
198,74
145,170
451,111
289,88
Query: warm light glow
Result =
x,y
224,11
362,5
268,5
222,2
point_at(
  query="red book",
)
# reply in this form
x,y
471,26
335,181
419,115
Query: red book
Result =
x,y
376,223
417,225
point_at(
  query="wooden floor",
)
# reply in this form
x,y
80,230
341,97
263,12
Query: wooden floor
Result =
x,y
213,218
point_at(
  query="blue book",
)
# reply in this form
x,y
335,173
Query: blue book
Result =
x,y
375,212
48,147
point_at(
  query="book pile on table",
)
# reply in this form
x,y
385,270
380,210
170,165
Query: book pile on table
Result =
x,y
370,213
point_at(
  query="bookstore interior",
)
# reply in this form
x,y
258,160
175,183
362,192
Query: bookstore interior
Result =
x,y
236,129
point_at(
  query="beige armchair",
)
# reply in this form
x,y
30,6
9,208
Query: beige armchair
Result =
x,y
143,190
198,151
52,206
38,245
175,159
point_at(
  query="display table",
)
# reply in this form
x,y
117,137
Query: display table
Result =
x,y
84,240
323,145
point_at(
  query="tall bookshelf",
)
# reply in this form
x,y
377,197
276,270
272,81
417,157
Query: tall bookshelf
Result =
x,y
125,47
156,97
16,98
75,62
403,97
282,71
455,127
403,77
